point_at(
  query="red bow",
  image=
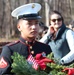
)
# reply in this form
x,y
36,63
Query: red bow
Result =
x,y
39,61
70,71
42,61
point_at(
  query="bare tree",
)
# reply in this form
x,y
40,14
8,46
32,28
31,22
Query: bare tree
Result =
x,y
8,23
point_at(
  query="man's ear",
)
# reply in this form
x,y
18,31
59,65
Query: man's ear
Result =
x,y
18,27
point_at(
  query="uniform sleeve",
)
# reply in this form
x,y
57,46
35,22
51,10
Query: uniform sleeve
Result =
x,y
5,60
70,40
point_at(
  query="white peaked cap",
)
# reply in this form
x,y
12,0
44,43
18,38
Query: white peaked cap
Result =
x,y
27,11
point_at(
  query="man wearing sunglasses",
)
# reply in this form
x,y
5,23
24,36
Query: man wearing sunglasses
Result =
x,y
60,39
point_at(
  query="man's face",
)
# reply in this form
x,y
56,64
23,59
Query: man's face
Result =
x,y
28,28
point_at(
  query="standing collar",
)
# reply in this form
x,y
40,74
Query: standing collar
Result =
x,y
26,42
22,39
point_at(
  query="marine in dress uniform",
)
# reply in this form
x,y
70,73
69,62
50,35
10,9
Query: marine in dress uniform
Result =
x,y
22,46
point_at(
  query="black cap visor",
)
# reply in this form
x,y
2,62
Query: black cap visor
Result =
x,y
29,16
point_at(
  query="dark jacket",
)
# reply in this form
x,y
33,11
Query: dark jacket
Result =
x,y
22,48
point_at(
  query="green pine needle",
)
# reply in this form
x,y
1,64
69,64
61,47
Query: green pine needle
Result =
x,y
21,67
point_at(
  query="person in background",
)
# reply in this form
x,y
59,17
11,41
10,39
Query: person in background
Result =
x,y
28,25
71,25
60,39
42,30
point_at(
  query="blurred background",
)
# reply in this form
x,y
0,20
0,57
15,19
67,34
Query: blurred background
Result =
x,y
8,23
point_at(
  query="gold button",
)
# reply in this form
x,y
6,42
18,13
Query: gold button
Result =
x,y
26,42
32,52
30,47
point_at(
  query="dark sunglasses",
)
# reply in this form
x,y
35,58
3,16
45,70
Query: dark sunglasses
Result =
x,y
54,20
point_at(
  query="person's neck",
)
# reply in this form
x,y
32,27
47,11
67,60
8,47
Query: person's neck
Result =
x,y
28,39
56,29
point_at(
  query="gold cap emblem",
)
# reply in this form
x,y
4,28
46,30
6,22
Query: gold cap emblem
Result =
x,y
33,5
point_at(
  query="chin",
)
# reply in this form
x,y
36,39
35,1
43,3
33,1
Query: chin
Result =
x,y
56,26
32,36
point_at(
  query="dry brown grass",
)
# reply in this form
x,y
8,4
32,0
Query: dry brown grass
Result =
x,y
8,40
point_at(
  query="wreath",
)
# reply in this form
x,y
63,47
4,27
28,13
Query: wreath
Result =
x,y
39,65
